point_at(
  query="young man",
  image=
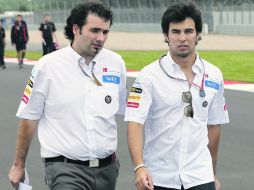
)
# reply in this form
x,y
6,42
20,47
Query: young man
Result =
x,y
73,96
48,34
2,45
178,101
19,38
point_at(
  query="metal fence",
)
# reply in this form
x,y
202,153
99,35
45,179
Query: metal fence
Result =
x,y
220,16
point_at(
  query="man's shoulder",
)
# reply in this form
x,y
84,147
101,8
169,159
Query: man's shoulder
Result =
x,y
212,69
150,67
109,54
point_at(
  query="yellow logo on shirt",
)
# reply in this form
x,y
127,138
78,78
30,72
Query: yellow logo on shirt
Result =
x,y
27,91
131,97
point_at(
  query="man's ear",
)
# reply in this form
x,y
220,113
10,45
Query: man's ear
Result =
x,y
75,29
166,38
199,37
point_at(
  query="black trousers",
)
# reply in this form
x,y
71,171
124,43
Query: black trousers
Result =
x,y
48,48
206,186
1,54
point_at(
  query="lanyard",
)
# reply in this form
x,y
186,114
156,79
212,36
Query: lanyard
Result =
x,y
96,81
201,88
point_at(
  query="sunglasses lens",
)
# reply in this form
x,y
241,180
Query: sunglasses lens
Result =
x,y
188,111
187,97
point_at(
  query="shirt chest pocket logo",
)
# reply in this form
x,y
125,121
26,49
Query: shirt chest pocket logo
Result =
x,y
201,107
103,101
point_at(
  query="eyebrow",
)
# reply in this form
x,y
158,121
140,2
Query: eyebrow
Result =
x,y
178,30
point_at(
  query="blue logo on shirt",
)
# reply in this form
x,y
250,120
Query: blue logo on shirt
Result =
x,y
212,84
111,79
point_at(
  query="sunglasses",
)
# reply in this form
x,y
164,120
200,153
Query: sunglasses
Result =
x,y
202,93
188,110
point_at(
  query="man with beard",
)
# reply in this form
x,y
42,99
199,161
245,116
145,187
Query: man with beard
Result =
x,y
72,97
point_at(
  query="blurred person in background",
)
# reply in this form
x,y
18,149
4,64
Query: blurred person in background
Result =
x,y
72,97
2,45
48,35
19,38
176,107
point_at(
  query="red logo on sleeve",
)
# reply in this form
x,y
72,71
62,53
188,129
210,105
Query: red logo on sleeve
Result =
x,y
105,69
133,104
25,99
225,107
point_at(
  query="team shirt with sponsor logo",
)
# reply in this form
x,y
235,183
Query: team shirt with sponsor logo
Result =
x,y
175,149
76,117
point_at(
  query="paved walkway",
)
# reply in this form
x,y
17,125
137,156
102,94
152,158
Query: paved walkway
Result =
x,y
233,85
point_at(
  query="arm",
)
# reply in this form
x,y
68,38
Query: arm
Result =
x,y
41,31
4,41
13,35
214,139
135,142
26,31
25,134
54,33
42,38
54,37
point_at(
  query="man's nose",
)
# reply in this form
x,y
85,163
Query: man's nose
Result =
x,y
182,36
101,37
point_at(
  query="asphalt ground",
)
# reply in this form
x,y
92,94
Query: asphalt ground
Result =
x,y
236,155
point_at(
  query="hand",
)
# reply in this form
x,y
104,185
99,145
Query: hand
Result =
x,y
43,42
217,183
16,175
143,179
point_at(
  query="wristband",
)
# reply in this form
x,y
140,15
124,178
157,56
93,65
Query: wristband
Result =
x,y
138,166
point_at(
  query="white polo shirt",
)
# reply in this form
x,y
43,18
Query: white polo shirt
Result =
x,y
175,149
77,117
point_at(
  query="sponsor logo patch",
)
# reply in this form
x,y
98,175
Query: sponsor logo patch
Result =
x,y
132,97
105,69
136,90
225,107
111,79
211,84
25,99
133,104
204,104
27,91
30,83
108,99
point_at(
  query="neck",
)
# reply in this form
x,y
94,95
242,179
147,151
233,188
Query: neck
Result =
x,y
88,57
186,64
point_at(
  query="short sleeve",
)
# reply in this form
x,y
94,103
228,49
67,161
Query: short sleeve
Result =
x,y
218,113
139,100
54,27
122,91
41,27
35,93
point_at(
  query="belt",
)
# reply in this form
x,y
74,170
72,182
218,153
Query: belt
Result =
x,y
90,163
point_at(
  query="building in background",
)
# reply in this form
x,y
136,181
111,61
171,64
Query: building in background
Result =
x,y
220,16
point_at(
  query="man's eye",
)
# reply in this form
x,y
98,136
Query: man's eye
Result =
x,y
189,31
175,32
105,32
95,30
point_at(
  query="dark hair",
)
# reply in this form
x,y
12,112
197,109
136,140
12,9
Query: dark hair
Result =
x,y
79,15
179,12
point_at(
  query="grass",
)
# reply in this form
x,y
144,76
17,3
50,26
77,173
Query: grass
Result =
x,y
235,65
